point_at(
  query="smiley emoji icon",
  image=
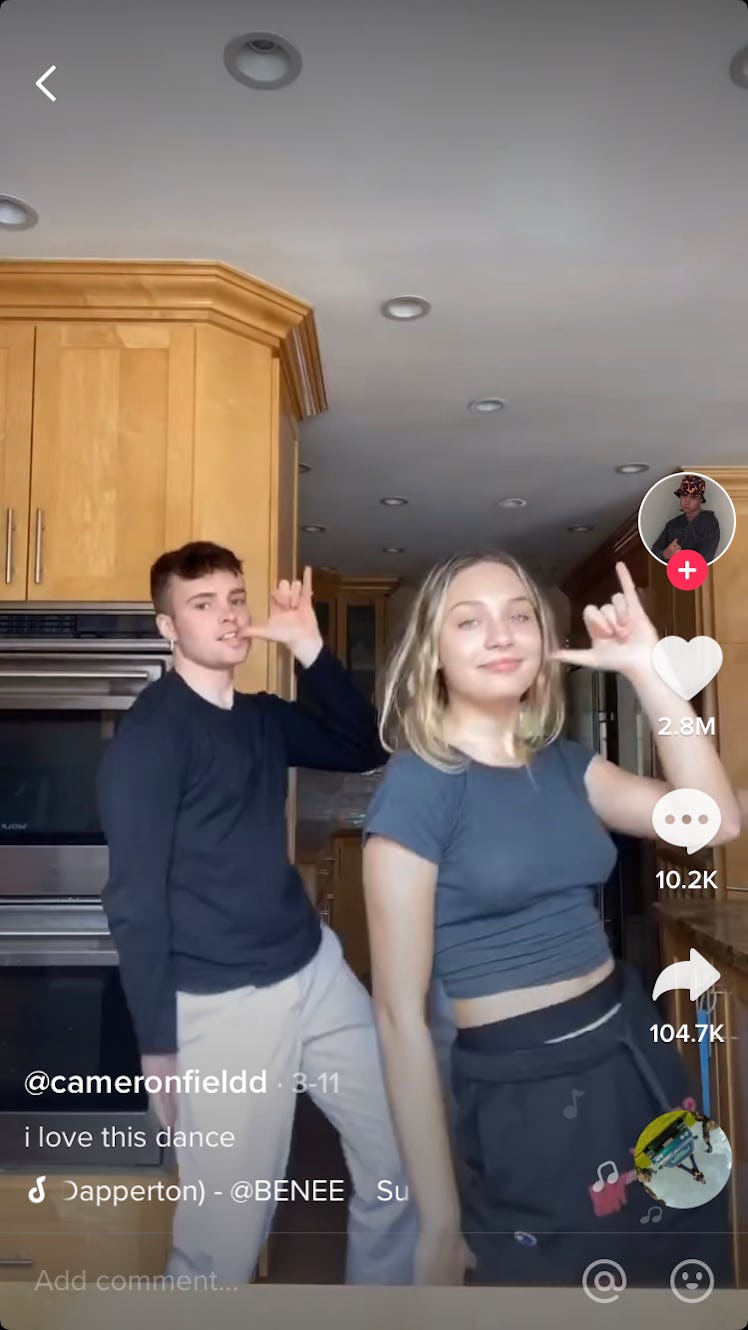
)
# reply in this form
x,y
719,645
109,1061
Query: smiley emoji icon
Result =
x,y
691,1281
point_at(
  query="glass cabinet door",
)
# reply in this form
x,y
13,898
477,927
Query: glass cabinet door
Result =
x,y
360,620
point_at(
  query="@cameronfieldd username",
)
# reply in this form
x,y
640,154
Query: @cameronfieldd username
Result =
x,y
190,1081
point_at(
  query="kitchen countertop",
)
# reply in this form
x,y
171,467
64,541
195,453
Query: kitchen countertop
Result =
x,y
718,929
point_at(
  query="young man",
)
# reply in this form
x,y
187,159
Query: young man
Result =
x,y
226,968
695,528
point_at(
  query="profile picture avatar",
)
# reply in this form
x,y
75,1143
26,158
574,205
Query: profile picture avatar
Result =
x,y
683,1159
687,512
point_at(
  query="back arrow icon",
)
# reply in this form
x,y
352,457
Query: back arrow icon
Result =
x,y
695,974
40,83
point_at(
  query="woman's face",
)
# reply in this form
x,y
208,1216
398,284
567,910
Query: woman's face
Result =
x,y
490,644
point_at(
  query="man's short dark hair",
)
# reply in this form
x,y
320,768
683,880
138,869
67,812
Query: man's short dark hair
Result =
x,y
193,560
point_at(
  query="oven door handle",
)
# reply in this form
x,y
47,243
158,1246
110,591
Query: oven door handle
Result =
x,y
50,949
52,675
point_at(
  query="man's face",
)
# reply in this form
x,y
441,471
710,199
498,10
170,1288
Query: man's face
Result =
x,y
690,504
207,619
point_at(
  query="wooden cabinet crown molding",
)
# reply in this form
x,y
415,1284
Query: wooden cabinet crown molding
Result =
x,y
339,584
190,292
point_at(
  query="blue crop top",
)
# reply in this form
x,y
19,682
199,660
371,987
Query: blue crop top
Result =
x,y
520,852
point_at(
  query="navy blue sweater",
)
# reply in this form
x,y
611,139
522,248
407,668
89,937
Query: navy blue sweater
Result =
x,y
201,896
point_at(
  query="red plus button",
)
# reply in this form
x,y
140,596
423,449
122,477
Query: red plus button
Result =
x,y
687,570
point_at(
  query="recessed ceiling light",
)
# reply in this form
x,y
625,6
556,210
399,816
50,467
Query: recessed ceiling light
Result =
x,y
15,214
486,406
304,469
314,530
405,307
632,468
262,60
512,503
393,549
394,502
579,527
739,67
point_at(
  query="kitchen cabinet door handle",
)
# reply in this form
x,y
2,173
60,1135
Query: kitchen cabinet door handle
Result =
x,y
74,674
38,546
7,1262
9,529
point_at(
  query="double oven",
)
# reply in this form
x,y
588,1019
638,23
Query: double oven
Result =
x,y
66,680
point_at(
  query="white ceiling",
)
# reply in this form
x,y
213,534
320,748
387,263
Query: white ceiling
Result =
x,y
567,183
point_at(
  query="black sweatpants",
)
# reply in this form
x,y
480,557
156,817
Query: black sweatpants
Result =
x,y
539,1123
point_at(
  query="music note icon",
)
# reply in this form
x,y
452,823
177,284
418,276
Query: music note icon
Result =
x,y
601,1181
656,1212
571,1109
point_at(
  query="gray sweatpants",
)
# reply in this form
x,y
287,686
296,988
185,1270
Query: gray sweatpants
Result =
x,y
314,1030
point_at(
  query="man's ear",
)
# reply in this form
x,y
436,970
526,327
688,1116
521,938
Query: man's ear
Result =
x,y
166,628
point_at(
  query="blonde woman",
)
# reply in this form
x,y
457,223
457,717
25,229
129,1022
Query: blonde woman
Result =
x,y
484,844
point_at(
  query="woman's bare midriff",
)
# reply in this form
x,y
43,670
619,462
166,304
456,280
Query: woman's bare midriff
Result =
x,y
469,1012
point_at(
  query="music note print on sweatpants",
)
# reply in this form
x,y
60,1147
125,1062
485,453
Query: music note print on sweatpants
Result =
x,y
571,1109
601,1181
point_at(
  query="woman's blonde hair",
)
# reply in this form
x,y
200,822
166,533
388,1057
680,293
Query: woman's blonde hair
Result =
x,y
415,694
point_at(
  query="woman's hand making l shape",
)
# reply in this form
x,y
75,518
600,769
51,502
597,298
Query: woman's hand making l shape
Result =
x,y
621,635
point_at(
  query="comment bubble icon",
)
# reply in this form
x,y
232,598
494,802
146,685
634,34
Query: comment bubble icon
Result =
x,y
688,818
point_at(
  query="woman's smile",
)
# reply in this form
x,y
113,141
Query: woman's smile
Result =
x,y
503,666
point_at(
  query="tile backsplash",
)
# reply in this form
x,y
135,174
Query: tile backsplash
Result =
x,y
329,800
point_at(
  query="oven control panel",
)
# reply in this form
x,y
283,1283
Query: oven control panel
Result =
x,y
84,625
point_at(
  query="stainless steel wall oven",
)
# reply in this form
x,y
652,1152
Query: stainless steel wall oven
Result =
x,y
67,677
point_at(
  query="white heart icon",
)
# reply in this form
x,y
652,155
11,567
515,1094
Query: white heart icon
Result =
x,y
687,667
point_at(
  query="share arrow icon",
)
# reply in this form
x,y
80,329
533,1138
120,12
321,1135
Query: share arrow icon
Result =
x,y
695,974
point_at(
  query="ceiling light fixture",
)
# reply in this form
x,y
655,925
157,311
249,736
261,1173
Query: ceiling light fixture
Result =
x,y
314,530
512,503
486,406
632,468
304,469
393,549
15,214
262,60
739,68
578,528
405,307
394,502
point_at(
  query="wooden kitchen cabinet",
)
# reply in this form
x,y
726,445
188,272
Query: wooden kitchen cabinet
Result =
x,y
143,405
62,1235
133,1237
340,899
16,410
112,457
333,879
349,910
